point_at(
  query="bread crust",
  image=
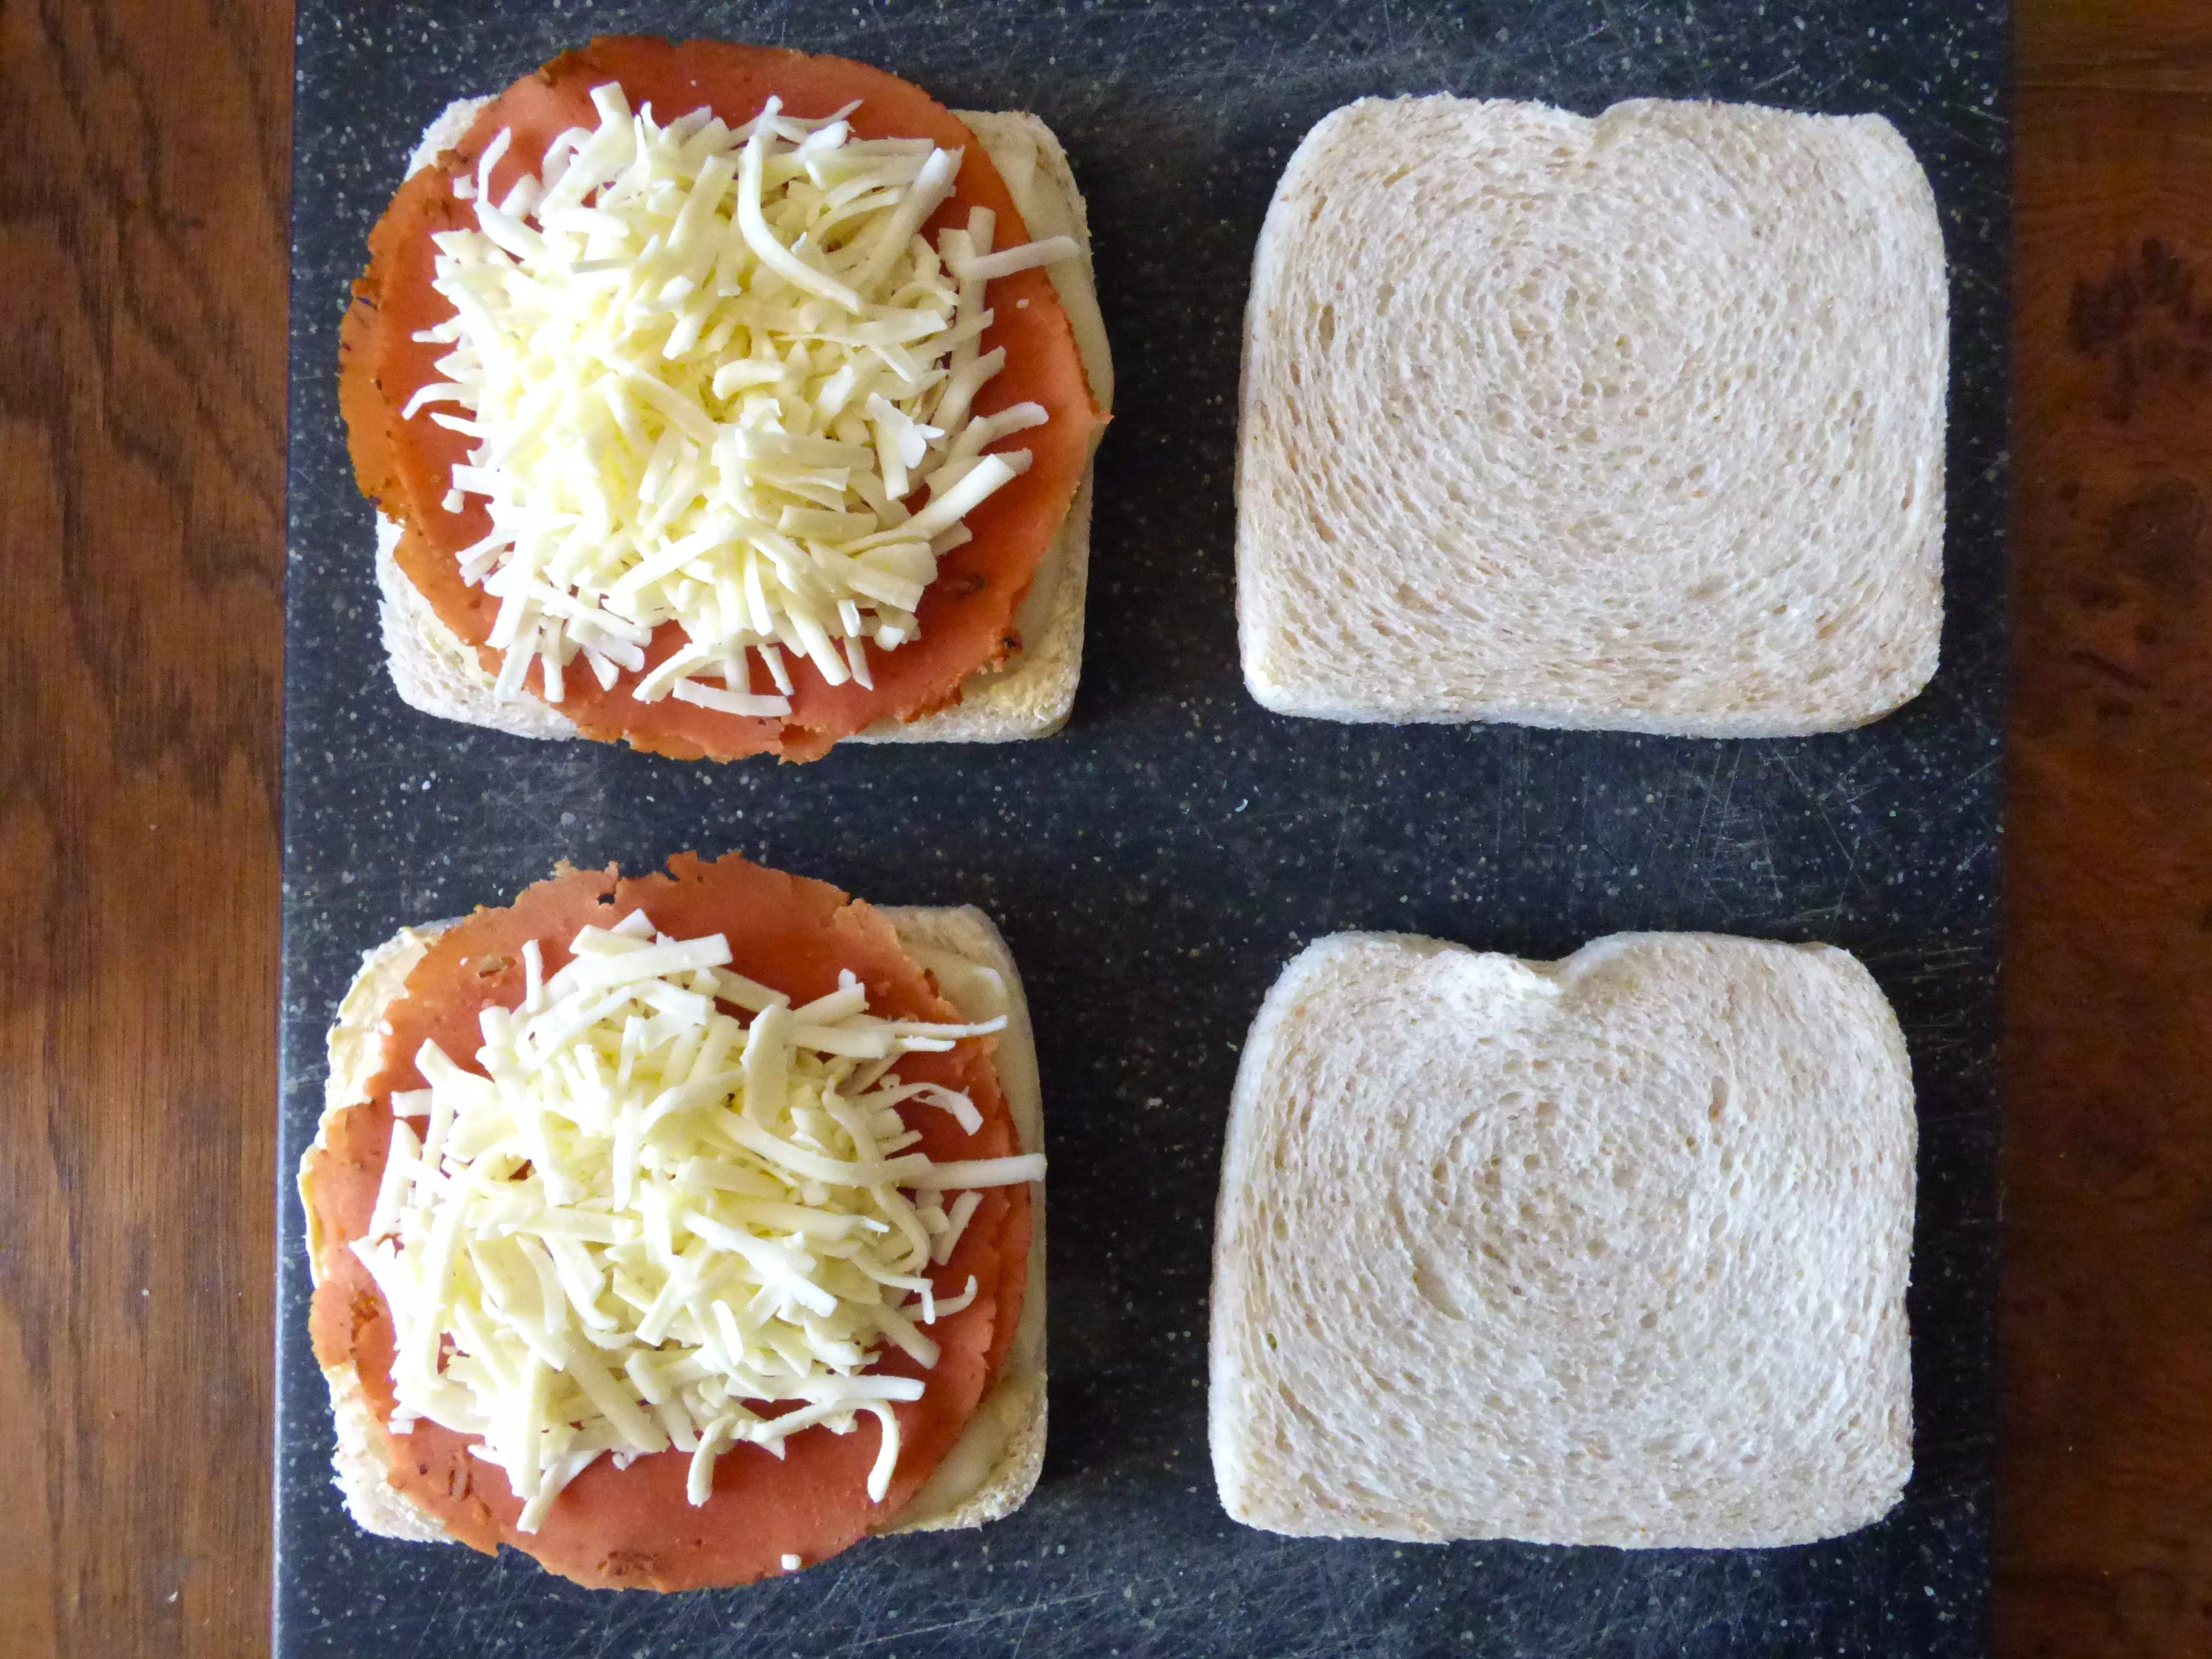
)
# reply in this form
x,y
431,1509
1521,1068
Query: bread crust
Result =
x,y
992,1469
1610,1250
1030,695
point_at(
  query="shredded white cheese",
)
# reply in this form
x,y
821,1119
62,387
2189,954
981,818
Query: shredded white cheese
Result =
x,y
707,371
646,1218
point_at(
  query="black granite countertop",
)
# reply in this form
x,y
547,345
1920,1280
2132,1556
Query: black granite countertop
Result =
x,y
1155,865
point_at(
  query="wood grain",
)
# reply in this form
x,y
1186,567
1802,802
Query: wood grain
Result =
x,y
2105,1486
141,441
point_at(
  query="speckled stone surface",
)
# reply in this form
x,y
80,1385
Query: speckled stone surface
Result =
x,y
1155,865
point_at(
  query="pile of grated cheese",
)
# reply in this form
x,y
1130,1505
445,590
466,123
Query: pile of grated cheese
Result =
x,y
646,1213
705,370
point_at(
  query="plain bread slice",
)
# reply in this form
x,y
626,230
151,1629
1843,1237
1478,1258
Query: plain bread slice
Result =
x,y
1634,421
1610,1250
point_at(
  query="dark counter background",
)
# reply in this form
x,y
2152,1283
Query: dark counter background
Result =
x,y
1154,865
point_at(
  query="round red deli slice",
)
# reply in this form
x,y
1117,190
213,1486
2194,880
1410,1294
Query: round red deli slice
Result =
x,y
635,1527
966,618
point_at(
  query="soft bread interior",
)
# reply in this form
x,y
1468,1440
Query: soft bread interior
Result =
x,y
1030,695
1610,1250
990,1470
1634,422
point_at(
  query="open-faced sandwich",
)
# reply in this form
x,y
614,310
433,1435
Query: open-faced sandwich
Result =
x,y
729,400
680,1230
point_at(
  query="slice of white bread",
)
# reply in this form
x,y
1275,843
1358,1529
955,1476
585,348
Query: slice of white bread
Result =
x,y
1610,1250
992,1469
1632,422
1030,695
